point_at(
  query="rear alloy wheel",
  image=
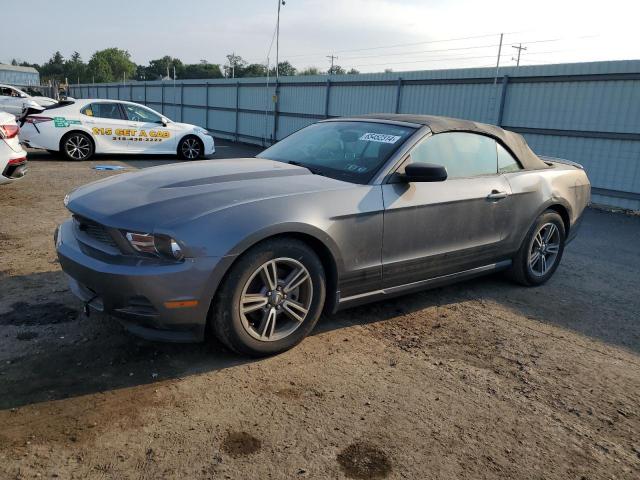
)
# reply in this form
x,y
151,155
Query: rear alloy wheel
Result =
x,y
77,147
190,148
541,251
271,299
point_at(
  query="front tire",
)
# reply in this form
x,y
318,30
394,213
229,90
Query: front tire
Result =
x,y
77,146
541,252
190,148
271,298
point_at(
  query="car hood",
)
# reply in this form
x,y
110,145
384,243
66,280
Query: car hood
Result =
x,y
166,196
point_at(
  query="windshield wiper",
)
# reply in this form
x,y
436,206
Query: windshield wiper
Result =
x,y
313,170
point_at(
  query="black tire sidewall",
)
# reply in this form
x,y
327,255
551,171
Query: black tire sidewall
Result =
x,y
546,217
227,311
64,146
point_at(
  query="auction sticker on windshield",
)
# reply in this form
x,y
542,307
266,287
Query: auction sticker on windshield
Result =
x,y
379,137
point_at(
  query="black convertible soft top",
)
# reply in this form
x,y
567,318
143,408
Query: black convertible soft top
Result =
x,y
512,141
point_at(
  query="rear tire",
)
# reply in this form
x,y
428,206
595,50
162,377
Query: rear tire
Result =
x,y
540,252
190,148
77,146
271,298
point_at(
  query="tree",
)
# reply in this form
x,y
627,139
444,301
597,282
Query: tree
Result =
x,y
53,69
310,71
284,69
163,67
75,69
252,70
203,69
353,71
336,70
111,64
234,66
14,62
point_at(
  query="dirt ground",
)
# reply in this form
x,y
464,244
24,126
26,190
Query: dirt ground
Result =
x,y
482,380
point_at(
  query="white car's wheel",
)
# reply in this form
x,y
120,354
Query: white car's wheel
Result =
x,y
190,148
77,146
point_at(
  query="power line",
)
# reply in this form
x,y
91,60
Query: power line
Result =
x,y
395,45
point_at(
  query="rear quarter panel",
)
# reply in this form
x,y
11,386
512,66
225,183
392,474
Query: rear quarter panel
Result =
x,y
534,191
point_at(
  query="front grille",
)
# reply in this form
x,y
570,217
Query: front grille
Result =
x,y
94,230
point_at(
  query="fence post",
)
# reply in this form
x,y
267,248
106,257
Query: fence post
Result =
x,y
275,113
206,110
503,98
235,136
181,101
162,99
398,94
145,92
326,98
131,92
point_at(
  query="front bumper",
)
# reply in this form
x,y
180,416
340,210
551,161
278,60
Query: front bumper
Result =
x,y
136,290
209,144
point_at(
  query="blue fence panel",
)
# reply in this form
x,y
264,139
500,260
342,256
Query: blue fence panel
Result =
x,y
586,112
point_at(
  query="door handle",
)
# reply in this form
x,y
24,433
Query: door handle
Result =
x,y
497,195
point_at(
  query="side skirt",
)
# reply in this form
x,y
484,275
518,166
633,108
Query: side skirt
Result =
x,y
435,282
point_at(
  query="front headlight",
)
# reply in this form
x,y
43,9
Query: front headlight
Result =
x,y
157,245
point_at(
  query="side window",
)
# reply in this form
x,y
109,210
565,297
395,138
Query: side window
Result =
x,y
136,113
5,92
103,110
463,154
506,163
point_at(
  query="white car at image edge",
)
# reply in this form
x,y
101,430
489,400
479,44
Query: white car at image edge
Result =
x,y
14,100
80,128
13,158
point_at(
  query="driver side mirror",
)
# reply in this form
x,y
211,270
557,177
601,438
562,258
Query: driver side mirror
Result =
x,y
164,121
424,172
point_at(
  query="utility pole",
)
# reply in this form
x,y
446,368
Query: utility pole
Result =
x,y
332,58
280,3
519,47
495,79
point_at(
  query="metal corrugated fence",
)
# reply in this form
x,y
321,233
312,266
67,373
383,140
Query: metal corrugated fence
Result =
x,y
585,112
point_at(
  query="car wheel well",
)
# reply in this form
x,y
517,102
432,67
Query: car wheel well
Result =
x,y
564,214
64,138
320,249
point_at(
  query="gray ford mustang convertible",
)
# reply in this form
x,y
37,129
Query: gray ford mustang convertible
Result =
x,y
342,212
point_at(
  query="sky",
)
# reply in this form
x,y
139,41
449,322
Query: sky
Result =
x,y
369,35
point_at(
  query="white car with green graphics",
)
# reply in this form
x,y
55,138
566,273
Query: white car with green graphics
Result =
x,y
80,128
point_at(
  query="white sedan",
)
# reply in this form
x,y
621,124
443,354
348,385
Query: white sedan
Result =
x,y
14,100
80,128
13,158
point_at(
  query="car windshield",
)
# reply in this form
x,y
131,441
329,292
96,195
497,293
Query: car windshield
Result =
x,y
350,150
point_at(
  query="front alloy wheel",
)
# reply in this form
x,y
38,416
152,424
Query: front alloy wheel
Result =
x,y
270,299
276,299
190,148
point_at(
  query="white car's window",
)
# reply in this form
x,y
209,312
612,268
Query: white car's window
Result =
x,y
136,113
103,110
462,154
9,92
506,163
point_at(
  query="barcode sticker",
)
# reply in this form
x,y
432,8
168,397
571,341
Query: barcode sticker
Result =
x,y
379,137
